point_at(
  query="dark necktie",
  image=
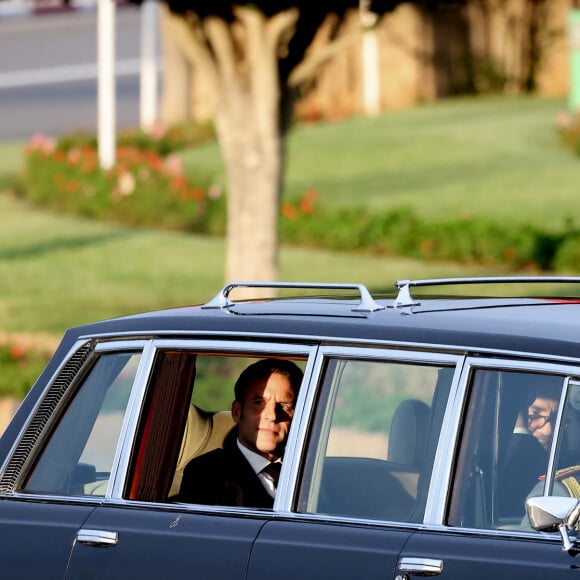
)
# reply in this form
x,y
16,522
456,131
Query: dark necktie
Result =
x,y
273,470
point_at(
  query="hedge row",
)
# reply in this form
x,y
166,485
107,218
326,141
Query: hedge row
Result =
x,y
149,188
401,232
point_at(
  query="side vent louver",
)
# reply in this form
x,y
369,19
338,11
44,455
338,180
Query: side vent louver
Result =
x,y
45,410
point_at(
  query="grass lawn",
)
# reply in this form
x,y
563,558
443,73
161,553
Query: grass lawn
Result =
x,y
498,157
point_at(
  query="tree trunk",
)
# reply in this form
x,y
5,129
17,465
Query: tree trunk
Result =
x,y
250,130
253,154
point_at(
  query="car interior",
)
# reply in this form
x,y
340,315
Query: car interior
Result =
x,y
390,490
204,431
392,487
499,464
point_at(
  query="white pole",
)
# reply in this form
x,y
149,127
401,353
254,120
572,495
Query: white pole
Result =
x,y
148,64
106,83
370,61
372,89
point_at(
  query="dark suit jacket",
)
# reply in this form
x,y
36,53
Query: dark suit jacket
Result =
x,y
525,461
223,477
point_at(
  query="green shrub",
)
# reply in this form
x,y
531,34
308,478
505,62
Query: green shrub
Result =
x,y
567,257
400,232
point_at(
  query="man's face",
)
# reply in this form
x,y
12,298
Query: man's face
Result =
x,y
541,415
265,415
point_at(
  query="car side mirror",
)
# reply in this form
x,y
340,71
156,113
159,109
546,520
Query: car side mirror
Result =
x,y
555,514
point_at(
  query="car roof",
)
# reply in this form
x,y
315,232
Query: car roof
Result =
x,y
548,326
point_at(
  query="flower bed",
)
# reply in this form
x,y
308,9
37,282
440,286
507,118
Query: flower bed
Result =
x,y
144,188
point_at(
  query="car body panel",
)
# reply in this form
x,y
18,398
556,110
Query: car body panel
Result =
x,y
38,536
166,543
470,554
318,550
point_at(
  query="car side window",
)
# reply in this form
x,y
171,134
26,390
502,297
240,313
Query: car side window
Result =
x,y
374,439
186,417
79,454
505,446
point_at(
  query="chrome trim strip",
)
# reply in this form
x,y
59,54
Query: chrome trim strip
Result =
x,y
341,340
56,499
436,503
554,443
297,437
122,457
257,513
137,344
201,345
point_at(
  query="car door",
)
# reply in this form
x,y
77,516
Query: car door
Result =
x,y
139,530
58,470
362,459
479,529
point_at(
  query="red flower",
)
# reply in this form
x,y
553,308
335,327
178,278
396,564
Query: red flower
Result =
x,y
17,352
289,211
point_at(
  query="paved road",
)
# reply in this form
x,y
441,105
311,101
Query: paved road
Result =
x,y
48,72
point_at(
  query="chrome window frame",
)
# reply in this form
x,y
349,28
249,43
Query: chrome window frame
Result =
x,y
148,349
198,345
287,496
40,437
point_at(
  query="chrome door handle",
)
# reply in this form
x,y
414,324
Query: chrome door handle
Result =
x,y
97,538
420,566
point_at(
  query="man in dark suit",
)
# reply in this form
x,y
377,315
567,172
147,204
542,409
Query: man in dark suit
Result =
x,y
244,472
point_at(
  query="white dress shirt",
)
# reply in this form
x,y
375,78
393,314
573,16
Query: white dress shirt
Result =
x,y
258,463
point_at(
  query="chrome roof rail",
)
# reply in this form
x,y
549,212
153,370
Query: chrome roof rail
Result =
x,y
404,298
367,302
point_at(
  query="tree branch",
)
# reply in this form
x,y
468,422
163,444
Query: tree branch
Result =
x,y
281,28
218,35
190,37
311,62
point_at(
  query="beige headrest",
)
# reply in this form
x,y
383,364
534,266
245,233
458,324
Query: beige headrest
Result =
x,y
204,431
